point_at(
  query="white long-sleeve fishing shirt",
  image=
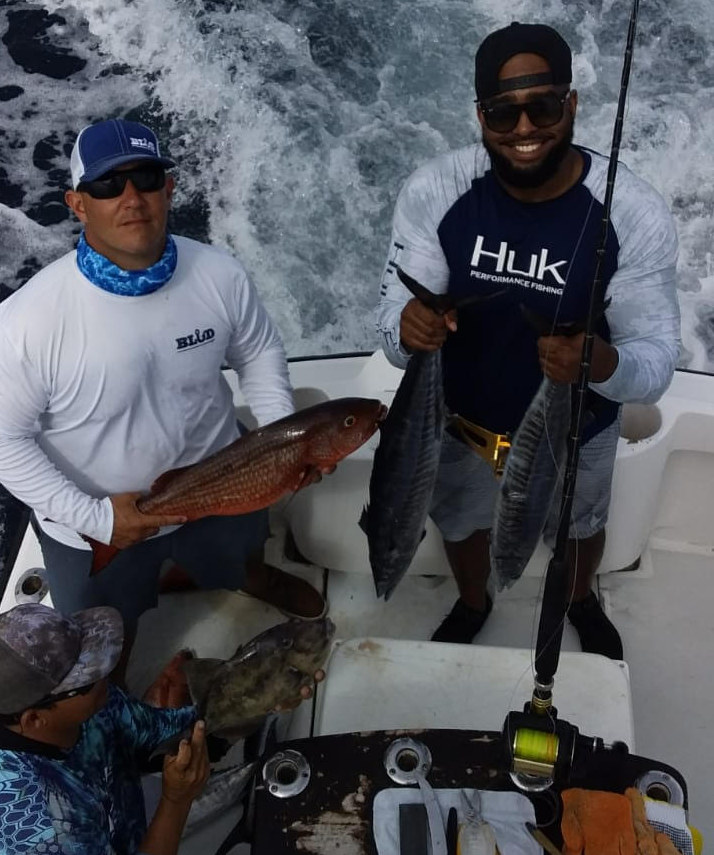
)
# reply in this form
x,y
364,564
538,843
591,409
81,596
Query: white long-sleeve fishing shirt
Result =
x,y
101,393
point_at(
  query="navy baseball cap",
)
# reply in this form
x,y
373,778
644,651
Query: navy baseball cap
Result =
x,y
498,47
43,653
108,144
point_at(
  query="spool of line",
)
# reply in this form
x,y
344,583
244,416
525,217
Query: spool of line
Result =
x,y
536,745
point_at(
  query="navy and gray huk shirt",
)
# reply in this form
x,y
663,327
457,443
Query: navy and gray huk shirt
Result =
x,y
457,230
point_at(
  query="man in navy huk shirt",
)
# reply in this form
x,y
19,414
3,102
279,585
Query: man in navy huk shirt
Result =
x,y
519,217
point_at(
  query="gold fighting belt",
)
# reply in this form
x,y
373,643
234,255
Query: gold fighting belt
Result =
x,y
493,447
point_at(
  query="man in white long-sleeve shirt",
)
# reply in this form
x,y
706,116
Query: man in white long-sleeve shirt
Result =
x,y
518,220
110,374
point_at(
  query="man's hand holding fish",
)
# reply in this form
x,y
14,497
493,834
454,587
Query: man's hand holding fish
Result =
x,y
421,328
560,357
131,525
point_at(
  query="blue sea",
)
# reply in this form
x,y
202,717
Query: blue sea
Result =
x,y
295,122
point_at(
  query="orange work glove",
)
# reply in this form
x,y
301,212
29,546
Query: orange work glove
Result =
x,y
649,841
597,823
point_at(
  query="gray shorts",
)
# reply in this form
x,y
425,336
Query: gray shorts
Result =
x,y
466,488
212,550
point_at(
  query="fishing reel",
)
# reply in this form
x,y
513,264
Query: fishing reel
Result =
x,y
539,749
543,751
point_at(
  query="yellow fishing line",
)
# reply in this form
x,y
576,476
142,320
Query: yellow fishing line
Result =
x,y
536,745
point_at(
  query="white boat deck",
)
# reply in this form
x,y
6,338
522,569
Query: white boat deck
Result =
x,y
663,609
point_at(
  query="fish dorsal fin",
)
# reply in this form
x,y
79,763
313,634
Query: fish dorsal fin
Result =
x,y
439,303
164,480
200,674
443,303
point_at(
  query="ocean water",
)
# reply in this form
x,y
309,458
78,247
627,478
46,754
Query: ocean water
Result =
x,y
295,122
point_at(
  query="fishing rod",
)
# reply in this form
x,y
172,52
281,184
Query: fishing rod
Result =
x,y
550,630
552,617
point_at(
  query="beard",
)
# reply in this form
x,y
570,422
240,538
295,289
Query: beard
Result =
x,y
530,176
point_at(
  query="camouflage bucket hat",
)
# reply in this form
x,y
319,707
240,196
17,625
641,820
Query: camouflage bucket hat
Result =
x,y
43,653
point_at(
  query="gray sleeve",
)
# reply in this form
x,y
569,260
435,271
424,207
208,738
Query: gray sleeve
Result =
x,y
643,315
415,247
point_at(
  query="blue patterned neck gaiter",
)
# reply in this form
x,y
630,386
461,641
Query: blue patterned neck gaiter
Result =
x,y
129,283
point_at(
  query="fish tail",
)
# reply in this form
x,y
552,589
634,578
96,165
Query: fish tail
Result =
x,y
102,554
364,518
384,588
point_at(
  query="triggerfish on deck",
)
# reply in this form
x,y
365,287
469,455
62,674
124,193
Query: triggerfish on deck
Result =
x,y
265,675
258,468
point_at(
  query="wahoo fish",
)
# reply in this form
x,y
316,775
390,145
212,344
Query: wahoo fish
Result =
x,y
261,466
404,471
265,675
534,468
406,462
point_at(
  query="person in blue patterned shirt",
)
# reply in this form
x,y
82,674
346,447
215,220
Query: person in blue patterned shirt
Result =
x,y
71,743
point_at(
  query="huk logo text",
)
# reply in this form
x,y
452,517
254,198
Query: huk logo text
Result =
x,y
194,339
506,262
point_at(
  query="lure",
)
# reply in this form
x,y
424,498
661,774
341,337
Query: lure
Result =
x,y
476,836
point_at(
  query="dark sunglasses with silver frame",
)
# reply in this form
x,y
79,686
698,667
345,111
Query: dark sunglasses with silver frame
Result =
x,y
146,178
543,111
47,701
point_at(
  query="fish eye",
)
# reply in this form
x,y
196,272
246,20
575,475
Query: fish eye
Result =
x,y
287,642
349,421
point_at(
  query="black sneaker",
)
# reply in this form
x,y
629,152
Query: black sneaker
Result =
x,y
463,623
596,630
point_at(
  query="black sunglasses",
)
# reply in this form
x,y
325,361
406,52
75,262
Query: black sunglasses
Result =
x,y
49,700
146,179
542,111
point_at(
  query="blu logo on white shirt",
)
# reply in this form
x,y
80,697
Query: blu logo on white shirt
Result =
x,y
194,339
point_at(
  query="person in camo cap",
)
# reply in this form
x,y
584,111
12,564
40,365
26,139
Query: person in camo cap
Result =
x,y
71,742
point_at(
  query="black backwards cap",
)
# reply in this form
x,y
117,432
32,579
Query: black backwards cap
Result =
x,y
498,47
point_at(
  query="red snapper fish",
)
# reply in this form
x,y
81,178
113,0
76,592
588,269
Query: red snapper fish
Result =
x,y
261,466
